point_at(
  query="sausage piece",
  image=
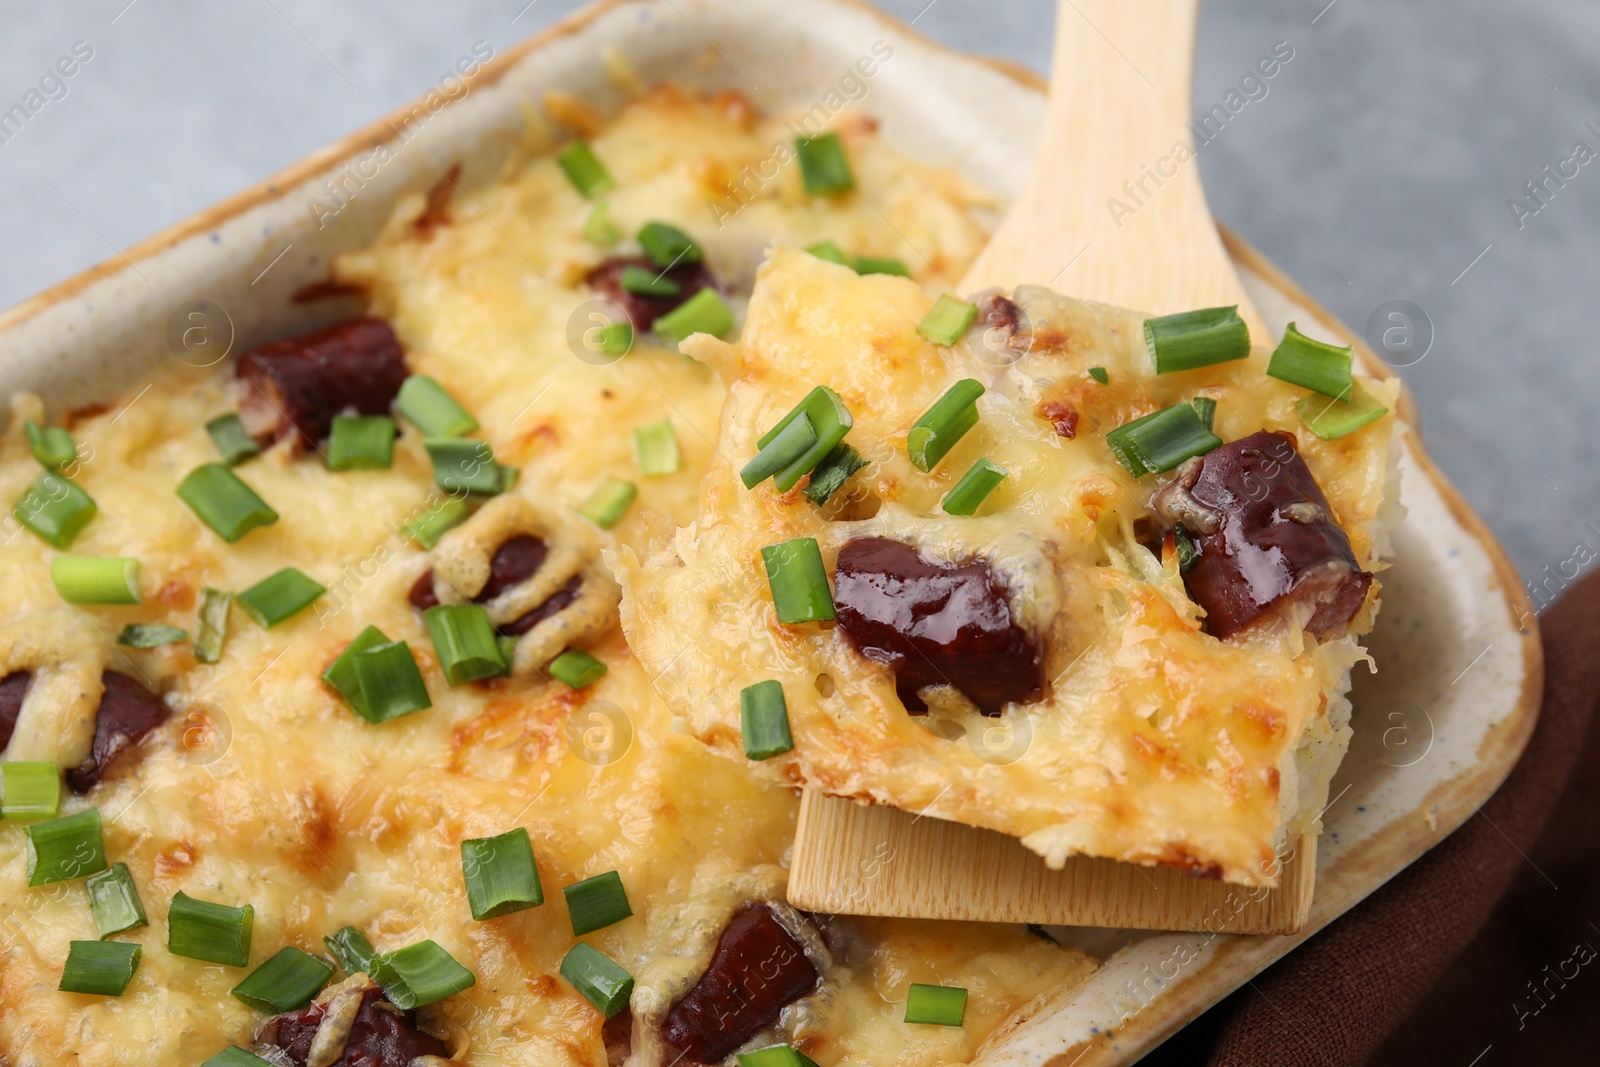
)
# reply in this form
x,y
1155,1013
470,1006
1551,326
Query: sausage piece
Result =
x,y
934,624
554,603
606,279
127,712
421,595
382,1035
302,383
1005,334
515,561
13,688
998,312
1265,538
757,970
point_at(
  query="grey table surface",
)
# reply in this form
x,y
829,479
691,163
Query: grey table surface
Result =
x,y
1382,165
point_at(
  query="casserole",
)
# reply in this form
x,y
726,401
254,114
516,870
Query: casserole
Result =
x,y
97,334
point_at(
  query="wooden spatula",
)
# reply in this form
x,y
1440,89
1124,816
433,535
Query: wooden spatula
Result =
x,y
1113,211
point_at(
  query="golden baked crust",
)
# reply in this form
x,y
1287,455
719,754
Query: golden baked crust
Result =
x,y
1154,742
264,788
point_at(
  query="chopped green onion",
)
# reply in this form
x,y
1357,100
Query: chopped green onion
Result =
x,y
974,486
598,229
829,251
764,720
424,403
607,503
1333,419
216,933
830,419
942,425
875,265
361,442
341,673
501,874
1196,339
584,169
793,438
352,949
286,982
389,681
947,320
72,846
1184,547
427,528
464,639
1160,441
149,635
595,903
704,312
614,339
508,649
114,902
463,465
601,981
233,441
508,477
1100,375
221,500
1314,364
30,789
274,599
775,1056
101,968
822,164
420,974
657,448
234,1056
214,604
832,473
668,246
54,508
51,445
798,580
648,283
802,410
577,668
938,1005
96,579
1206,408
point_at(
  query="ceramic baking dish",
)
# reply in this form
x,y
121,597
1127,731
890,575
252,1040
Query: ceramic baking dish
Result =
x,y
1436,731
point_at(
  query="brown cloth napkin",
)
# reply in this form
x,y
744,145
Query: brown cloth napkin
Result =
x,y
1486,951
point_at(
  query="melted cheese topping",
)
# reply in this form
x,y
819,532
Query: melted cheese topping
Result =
x,y
1155,742
264,788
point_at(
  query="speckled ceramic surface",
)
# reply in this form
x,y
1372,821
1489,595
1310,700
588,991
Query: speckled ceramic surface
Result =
x,y
1437,728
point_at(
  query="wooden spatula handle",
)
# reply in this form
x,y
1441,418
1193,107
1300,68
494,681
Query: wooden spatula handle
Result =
x,y
1114,209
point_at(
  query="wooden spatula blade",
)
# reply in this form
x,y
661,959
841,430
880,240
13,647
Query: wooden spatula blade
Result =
x,y
866,859
1119,103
